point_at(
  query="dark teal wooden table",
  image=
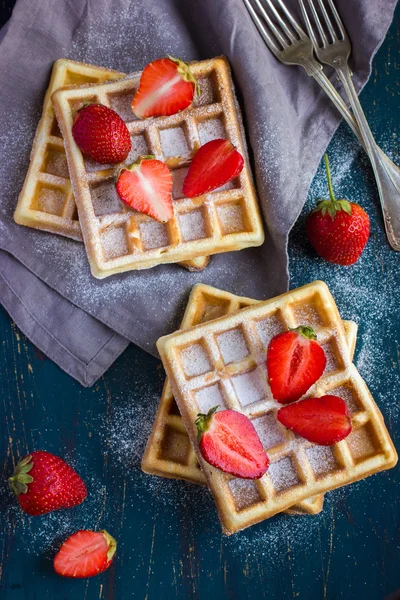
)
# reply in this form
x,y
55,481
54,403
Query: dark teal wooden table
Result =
x,y
169,540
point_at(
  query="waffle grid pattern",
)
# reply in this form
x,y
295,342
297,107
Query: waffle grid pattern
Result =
x,y
198,367
46,201
118,239
169,452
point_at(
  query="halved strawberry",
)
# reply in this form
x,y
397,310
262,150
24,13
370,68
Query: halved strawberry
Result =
x,y
323,421
294,362
213,165
85,553
100,133
167,86
229,442
146,186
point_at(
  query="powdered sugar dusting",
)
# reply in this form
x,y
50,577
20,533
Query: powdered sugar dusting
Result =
x,y
192,225
283,474
153,234
195,360
56,164
232,345
173,142
140,147
230,217
360,443
209,397
322,459
122,104
269,430
114,242
211,129
50,200
249,387
244,492
268,328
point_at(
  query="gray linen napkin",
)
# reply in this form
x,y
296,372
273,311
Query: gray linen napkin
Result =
x,y
82,323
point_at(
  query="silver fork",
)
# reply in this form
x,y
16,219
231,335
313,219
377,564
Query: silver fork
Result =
x,y
290,44
332,46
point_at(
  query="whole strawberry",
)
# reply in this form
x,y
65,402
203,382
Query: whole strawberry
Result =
x,y
101,134
337,229
43,482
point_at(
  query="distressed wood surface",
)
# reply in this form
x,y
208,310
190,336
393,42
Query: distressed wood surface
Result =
x,y
169,540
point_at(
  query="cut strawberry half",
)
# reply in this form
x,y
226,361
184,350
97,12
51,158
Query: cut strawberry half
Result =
x,y
213,165
166,87
85,553
295,361
229,442
323,421
146,186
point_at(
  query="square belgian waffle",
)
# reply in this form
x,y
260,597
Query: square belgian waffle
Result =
x,y
169,452
46,200
223,362
119,239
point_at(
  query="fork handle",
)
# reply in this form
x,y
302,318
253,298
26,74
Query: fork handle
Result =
x,y
387,181
314,69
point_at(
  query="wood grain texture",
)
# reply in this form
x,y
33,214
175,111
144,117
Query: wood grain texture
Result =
x,y
169,540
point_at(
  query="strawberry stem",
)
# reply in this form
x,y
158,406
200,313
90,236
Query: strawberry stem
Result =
x,y
333,205
328,174
18,482
203,420
306,331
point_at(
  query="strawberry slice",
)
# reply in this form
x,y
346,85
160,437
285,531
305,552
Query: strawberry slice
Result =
x,y
146,186
229,442
213,165
294,362
323,421
85,553
166,87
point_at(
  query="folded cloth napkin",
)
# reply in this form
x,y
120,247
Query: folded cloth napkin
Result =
x,y
84,324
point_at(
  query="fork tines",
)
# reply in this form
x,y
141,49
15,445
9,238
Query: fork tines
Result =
x,y
324,13
275,23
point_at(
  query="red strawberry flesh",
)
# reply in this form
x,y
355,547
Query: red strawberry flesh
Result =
x,y
324,421
146,186
339,239
230,443
167,86
294,363
44,482
338,230
213,165
101,134
85,554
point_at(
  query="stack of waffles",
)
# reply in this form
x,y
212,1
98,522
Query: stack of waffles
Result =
x,y
218,358
61,183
